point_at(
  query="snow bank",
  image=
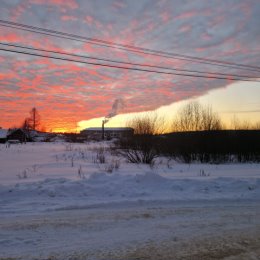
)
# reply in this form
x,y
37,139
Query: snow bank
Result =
x,y
102,188
41,177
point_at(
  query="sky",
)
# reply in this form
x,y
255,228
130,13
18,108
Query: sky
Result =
x,y
71,96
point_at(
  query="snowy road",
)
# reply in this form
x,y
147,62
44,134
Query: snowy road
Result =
x,y
143,230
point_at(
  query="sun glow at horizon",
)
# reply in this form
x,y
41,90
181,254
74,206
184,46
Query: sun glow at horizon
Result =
x,y
227,102
238,101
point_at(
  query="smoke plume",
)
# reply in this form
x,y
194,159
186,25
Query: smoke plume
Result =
x,y
118,105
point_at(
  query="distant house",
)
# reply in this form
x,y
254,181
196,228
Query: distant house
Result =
x,y
3,135
37,136
19,135
107,133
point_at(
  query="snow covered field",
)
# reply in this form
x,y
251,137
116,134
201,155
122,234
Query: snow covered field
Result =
x,y
57,201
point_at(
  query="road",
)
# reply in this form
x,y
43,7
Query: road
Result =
x,y
143,230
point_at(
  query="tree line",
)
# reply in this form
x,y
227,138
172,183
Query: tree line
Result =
x,y
196,134
191,117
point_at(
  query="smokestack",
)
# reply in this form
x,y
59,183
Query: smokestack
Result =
x,y
103,129
117,105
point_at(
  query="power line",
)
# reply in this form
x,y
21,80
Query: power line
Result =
x,y
126,47
244,67
228,66
125,63
126,68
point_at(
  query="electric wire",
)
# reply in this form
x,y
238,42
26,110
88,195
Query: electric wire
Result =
x,y
125,63
122,67
126,47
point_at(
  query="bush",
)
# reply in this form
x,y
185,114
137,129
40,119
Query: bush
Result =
x,y
139,149
100,156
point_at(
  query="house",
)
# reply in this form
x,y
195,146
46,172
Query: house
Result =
x,y
3,135
37,136
106,133
18,134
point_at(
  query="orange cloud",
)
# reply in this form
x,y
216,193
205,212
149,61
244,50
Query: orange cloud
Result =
x,y
67,92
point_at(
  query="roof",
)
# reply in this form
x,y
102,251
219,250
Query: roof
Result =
x,y
109,129
3,133
18,129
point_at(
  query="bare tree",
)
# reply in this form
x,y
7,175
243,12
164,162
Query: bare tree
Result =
x,y
238,124
210,120
256,126
188,118
32,122
195,117
148,124
35,118
26,124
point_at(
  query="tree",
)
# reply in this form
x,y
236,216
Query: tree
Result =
x,y
195,117
26,124
189,117
148,124
32,122
210,120
245,124
35,118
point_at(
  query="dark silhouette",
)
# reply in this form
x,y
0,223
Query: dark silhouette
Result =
x,y
32,122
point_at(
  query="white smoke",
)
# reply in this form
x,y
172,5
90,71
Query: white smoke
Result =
x,y
118,105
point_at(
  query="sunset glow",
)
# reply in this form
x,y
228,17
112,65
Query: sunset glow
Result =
x,y
68,94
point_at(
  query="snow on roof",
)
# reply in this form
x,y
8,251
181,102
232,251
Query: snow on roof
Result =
x,y
3,133
108,129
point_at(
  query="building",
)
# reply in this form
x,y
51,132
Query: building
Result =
x,y
3,135
106,133
18,135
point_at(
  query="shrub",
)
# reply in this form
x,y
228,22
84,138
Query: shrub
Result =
x,y
100,156
139,149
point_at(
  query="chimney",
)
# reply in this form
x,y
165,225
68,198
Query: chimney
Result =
x,y
103,129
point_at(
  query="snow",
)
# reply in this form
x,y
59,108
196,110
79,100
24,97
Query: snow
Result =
x,y
53,176
58,198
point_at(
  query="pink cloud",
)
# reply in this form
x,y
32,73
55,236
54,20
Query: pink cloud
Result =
x,y
186,15
206,36
10,37
71,4
118,5
185,28
67,92
68,18
89,19
17,12
165,16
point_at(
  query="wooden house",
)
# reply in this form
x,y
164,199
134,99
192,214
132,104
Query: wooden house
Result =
x,y
18,135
